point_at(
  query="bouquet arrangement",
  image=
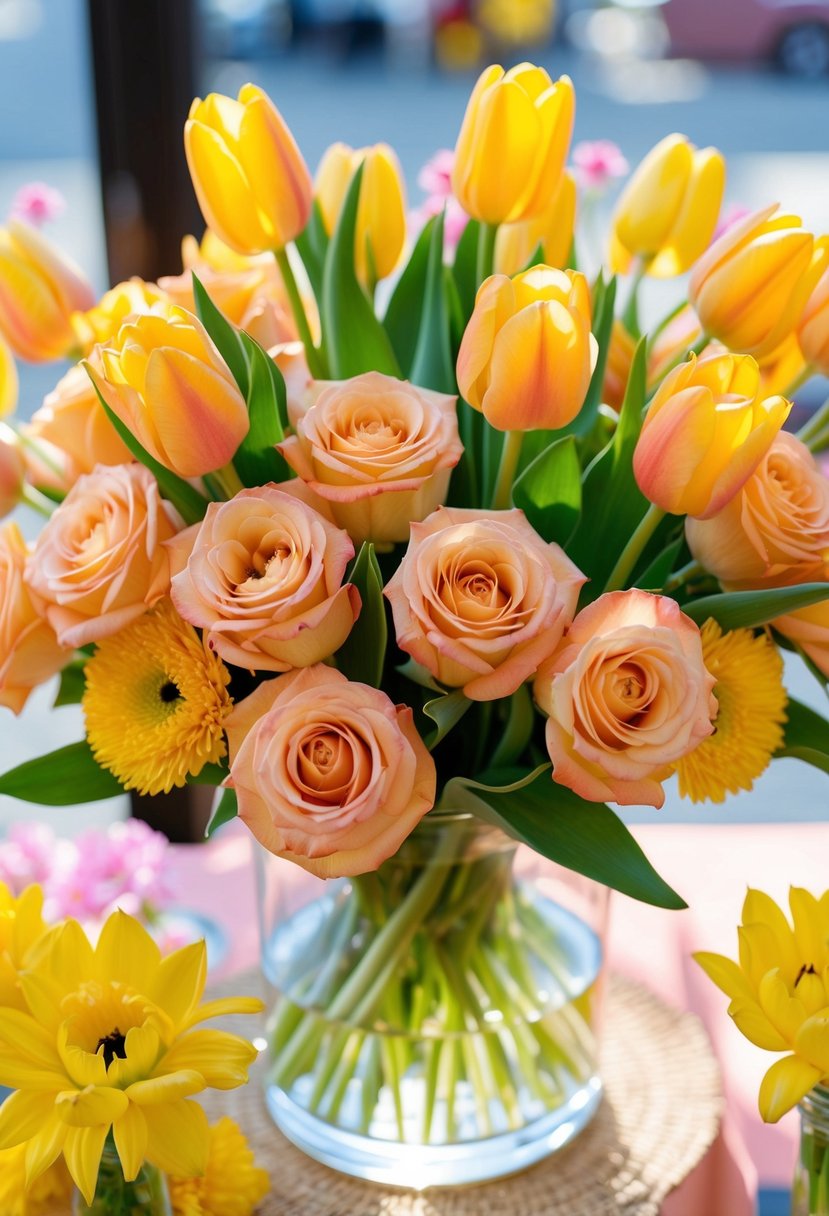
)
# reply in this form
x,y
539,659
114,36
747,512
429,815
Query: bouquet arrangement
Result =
x,y
482,553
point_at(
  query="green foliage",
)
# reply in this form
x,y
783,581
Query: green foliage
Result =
x,y
226,809
257,461
63,777
406,301
746,609
226,337
464,267
432,365
806,736
362,654
604,300
549,491
72,684
312,245
445,711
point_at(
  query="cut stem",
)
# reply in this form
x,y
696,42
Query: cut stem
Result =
x,y
37,501
510,455
312,354
635,547
486,251
693,569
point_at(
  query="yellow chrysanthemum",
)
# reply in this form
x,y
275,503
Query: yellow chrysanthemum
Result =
x,y
155,702
751,711
21,928
107,1044
779,992
50,1193
232,1184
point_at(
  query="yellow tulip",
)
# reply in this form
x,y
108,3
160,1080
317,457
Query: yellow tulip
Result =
x,y
164,379
779,992
528,354
252,184
12,470
8,380
706,430
751,287
40,289
381,213
552,229
102,322
667,212
813,329
513,143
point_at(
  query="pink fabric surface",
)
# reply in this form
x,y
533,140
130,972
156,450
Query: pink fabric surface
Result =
x,y
711,866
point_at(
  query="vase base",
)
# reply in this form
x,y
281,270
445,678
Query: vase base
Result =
x,y
420,1166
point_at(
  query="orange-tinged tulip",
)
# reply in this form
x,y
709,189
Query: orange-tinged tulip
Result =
x,y
40,288
813,330
12,470
552,229
102,322
381,214
667,212
784,368
751,287
165,380
617,369
252,184
513,143
528,354
705,432
668,347
8,380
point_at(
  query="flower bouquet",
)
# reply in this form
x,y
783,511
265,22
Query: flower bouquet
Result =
x,y
418,563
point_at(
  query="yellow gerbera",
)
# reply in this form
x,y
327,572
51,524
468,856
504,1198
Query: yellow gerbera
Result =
x,y
232,1184
155,702
21,927
751,711
107,1044
50,1193
779,992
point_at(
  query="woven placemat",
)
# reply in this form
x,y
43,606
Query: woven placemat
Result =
x,y
660,1114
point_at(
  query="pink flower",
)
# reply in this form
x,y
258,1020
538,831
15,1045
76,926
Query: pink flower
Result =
x,y
126,867
37,203
27,855
454,222
731,216
597,162
436,175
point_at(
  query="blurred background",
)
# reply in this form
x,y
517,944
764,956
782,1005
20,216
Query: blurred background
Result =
x,y
94,94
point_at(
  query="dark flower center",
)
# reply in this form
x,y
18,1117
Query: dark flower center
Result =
x,y
169,692
806,969
114,1046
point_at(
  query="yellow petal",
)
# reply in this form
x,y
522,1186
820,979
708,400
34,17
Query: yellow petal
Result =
x,y
725,973
45,1146
694,225
22,1033
223,190
810,929
19,1073
179,1139
22,1115
82,1153
89,1107
760,908
224,1007
753,1023
179,982
126,953
785,1012
130,1132
223,1059
81,1066
786,1082
8,380
167,1088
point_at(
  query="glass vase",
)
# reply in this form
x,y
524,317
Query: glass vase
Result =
x,y
147,1195
435,1022
810,1193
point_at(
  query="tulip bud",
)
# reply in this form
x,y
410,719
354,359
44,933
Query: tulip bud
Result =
x,y
40,288
252,184
667,212
164,379
552,229
750,288
8,380
704,434
813,330
381,213
528,354
101,323
513,143
12,470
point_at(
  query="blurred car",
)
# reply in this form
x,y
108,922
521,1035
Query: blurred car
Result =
x,y
793,35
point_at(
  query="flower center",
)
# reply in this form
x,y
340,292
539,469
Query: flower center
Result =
x,y
169,692
806,969
114,1046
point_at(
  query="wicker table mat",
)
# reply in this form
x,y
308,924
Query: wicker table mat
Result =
x,y
660,1114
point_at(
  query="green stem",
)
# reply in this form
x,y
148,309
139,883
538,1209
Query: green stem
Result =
x,y
798,382
635,547
312,354
630,316
37,501
486,251
510,455
813,428
692,570
37,449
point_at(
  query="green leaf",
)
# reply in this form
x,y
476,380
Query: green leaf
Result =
x,y
189,503
226,337
445,711
312,245
432,365
72,684
549,491
362,654
603,305
226,810
355,339
587,837
406,300
62,778
465,267
806,736
418,675
257,461
657,573
517,730
745,609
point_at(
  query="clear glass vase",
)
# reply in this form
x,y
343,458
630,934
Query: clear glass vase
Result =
x,y
147,1195
810,1193
434,1023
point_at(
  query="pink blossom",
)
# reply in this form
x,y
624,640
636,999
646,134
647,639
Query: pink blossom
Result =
x,y
27,855
37,203
436,175
732,215
597,162
455,220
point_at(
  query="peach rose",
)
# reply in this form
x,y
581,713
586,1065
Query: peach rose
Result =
x,y
809,628
378,450
328,773
776,531
12,470
626,696
100,562
29,650
72,419
480,600
262,576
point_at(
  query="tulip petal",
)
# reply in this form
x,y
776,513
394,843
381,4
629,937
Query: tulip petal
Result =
x,y
276,172
494,305
786,1082
651,201
223,190
696,220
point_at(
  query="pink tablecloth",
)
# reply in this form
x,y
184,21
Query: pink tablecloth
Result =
x,y
711,867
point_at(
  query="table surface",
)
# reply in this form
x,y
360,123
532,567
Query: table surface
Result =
x,y
711,866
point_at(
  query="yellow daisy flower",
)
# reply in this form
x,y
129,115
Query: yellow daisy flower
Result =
x,y
232,1184
107,1044
751,711
21,927
51,1192
155,703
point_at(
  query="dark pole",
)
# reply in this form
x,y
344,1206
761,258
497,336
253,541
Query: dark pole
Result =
x,y
145,58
